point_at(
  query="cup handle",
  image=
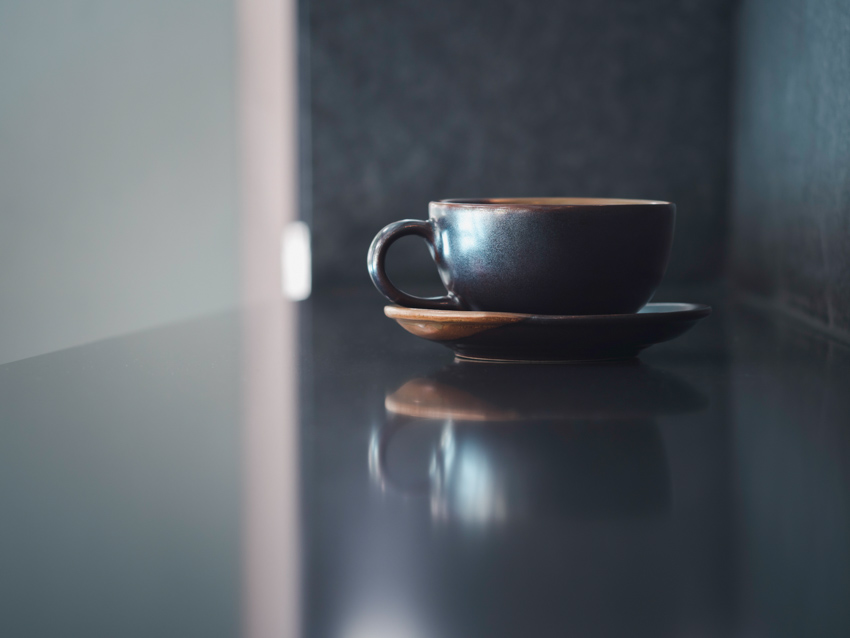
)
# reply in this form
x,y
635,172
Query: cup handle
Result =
x,y
378,445
377,258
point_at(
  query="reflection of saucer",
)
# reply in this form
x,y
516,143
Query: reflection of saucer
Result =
x,y
501,336
492,392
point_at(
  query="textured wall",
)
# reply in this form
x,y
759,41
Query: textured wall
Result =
x,y
791,191
416,100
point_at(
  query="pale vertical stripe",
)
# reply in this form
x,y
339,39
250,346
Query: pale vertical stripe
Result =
x,y
267,99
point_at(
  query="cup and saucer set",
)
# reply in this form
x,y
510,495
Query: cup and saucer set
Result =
x,y
560,280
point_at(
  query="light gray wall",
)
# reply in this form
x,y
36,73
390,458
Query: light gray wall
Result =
x,y
118,188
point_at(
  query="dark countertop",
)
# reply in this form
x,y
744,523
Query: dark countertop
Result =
x,y
703,491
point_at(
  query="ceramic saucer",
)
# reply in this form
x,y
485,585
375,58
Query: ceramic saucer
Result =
x,y
511,337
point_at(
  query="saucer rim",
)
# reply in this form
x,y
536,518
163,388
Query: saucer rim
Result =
x,y
683,310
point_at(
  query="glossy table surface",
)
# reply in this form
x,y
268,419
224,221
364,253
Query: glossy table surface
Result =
x,y
702,491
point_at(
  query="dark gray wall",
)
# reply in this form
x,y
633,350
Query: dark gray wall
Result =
x,y
791,229
415,100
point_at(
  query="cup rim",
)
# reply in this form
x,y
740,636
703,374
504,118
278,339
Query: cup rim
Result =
x,y
547,202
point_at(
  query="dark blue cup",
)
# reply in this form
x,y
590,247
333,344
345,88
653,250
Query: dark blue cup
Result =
x,y
554,256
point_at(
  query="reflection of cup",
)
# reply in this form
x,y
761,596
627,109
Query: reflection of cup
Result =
x,y
487,475
557,256
506,443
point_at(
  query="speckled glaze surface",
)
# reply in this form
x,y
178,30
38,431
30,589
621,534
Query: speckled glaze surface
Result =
x,y
513,337
557,256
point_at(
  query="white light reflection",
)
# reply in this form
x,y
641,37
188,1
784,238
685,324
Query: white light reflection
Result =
x,y
381,623
465,484
375,470
468,231
479,500
296,261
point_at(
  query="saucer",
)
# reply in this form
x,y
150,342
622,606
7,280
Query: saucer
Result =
x,y
512,337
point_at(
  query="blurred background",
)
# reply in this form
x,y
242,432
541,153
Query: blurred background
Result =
x,y
120,133
414,101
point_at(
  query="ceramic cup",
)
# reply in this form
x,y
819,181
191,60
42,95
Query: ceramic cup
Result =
x,y
553,256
